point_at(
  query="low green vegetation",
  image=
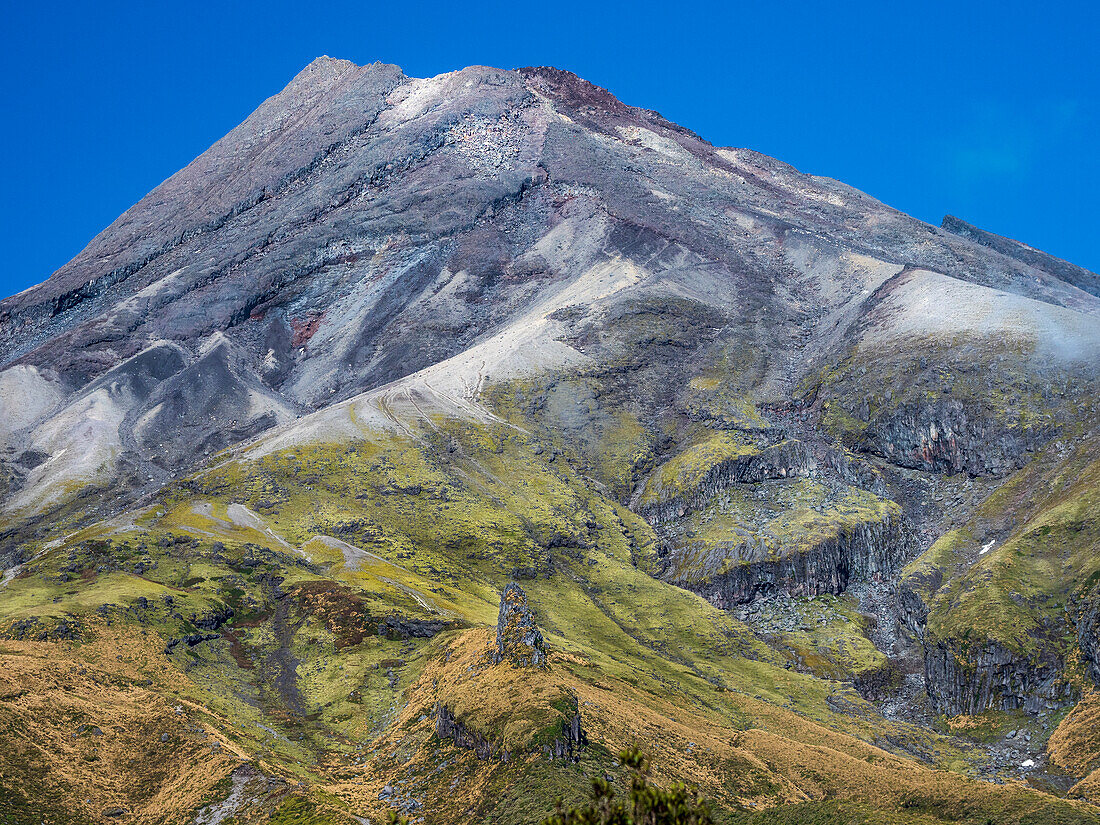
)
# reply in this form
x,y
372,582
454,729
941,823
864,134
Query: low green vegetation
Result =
x,y
1006,575
782,518
645,804
362,577
994,382
685,473
825,635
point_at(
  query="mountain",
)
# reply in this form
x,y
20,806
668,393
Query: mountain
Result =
x,y
801,494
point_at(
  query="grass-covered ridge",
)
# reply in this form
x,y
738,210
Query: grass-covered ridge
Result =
x,y
685,473
1007,574
334,558
779,519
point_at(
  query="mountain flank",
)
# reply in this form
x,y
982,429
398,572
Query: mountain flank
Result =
x,y
427,442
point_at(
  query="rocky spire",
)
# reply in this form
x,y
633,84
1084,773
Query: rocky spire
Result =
x,y
519,639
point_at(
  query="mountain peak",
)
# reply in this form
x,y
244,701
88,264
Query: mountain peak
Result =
x,y
788,476
324,63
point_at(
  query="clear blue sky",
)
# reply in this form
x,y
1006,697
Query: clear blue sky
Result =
x,y
989,111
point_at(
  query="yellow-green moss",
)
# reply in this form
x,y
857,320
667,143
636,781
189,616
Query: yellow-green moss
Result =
x,y
684,473
1015,593
776,520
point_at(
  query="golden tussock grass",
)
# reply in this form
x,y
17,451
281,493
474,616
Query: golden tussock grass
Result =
x,y
82,723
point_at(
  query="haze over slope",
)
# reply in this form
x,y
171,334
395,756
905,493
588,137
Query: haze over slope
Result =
x,y
392,342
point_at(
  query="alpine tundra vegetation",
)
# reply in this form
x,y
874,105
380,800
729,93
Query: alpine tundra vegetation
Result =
x,y
456,448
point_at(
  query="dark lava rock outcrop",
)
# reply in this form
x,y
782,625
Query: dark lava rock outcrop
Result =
x,y
569,740
1088,633
447,727
941,437
1070,273
864,551
989,677
519,639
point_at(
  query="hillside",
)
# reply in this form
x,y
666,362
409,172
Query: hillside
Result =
x,y
800,492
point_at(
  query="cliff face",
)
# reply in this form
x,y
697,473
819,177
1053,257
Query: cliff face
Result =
x,y
966,675
570,739
989,677
864,551
1088,634
741,520
941,437
447,727
999,631
661,500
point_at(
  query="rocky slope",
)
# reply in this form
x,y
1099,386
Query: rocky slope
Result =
x,y
781,469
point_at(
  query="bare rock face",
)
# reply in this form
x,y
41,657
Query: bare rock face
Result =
x,y
992,678
519,639
941,437
448,727
570,739
865,551
1076,275
1088,633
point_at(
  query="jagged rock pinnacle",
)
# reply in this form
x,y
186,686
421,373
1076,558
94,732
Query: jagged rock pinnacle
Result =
x,y
519,639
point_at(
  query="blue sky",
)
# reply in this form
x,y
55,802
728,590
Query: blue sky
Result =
x,y
989,111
